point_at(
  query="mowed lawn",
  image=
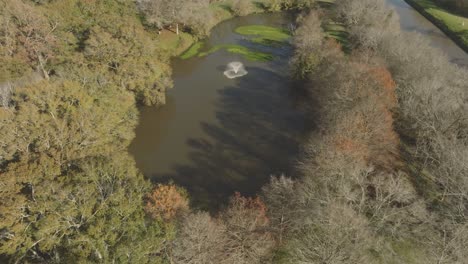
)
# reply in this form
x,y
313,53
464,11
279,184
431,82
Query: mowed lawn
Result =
x,y
455,23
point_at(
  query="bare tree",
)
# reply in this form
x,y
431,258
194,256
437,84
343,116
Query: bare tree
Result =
x,y
201,240
249,239
281,204
242,7
5,94
334,234
194,14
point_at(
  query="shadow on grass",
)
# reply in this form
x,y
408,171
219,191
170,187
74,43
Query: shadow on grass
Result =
x,y
226,7
339,33
464,34
259,5
326,3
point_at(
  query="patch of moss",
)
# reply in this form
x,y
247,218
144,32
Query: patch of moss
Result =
x,y
264,34
238,49
192,51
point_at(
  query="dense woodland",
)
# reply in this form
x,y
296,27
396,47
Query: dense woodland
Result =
x,y
383,179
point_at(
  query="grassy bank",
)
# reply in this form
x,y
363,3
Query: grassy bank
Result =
x,y
455,26
186,45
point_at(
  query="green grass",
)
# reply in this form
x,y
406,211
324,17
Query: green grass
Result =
x,y
264,34
179,44
192,51
452,21
251,55
338,32
175,43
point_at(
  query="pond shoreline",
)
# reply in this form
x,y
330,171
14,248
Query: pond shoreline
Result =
x,y
216,135
194,41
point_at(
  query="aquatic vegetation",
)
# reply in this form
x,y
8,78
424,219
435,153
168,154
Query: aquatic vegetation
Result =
x,y
249,54
192,51
264,34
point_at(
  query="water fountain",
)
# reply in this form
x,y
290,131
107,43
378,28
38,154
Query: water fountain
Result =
x,y
235,69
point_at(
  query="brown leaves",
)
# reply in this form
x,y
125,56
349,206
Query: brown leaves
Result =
x,y
166,202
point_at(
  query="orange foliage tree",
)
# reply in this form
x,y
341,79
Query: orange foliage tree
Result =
x,y
166,202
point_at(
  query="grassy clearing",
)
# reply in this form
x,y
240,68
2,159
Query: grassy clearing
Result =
x,y
455,24
192,51
251,55
175,43
264,34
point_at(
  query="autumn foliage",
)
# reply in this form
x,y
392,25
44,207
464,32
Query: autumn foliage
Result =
x,y
249,208
166,202
375,118
364,97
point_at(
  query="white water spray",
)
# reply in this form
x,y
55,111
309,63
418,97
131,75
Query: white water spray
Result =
x,y
235,69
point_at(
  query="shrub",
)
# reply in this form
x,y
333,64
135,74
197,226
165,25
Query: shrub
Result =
x,y
201,239
166,202
242,7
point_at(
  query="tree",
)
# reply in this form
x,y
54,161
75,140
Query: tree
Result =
x,y
334,234
60,119
275,5
201,239
239,235
91,212
194,14
53,143
308,42
249,239
5,95
242,7
166,202
281,204
27,36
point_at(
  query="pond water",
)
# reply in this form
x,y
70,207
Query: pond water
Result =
x,y
218,135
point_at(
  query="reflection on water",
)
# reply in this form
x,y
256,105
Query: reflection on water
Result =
x,y
218,135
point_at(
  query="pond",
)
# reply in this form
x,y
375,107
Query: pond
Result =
x,y
216,135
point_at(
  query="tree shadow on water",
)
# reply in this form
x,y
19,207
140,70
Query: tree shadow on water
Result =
x,y
257,133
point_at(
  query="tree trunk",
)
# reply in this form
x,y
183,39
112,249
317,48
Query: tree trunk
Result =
x,y
41,64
